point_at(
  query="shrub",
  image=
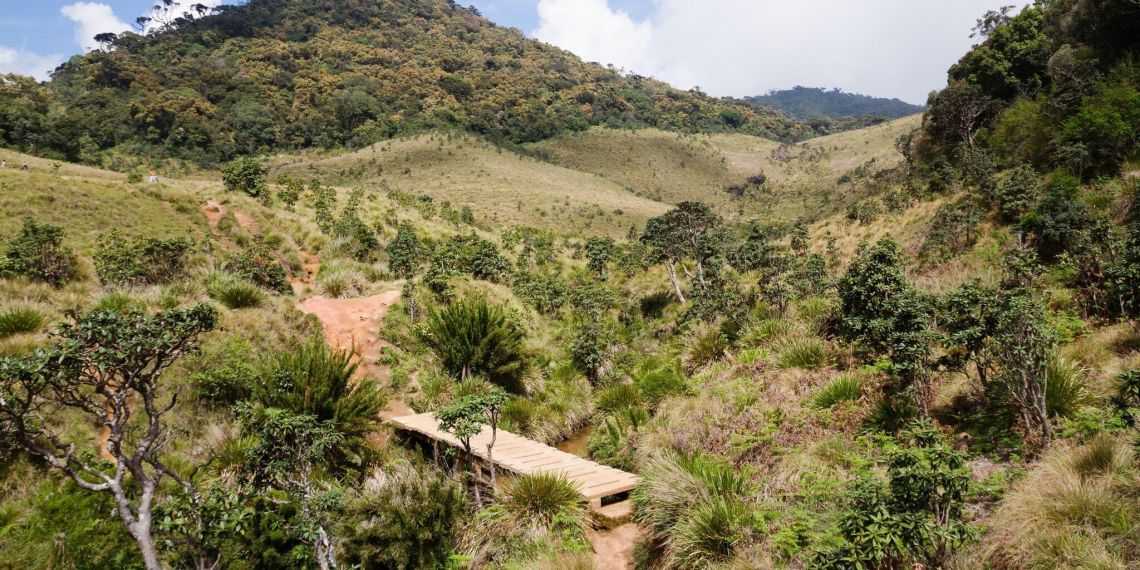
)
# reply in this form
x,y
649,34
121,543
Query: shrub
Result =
x,y
1016,192
404,252
657,380
545,292
229,373
1058,218
233,292
257,265
19,320
290,192
38,253
312,379
246,174
142,261
589,350
408,521
845,388
953,230
1127,398
475,338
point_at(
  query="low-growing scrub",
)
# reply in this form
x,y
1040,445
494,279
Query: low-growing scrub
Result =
x,y
141,261
38,254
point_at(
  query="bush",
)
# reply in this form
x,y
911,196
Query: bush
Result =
x,y
404,252
314,380
589,350
1016,192
706,345
657,380
953,230
246,174
1127,398
257,265
845,388
142,261
475,338
233,292
409,521
1058,219
38,253
19,321
229,374
808,353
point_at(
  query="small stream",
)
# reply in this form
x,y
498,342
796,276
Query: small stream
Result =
x,y
576,443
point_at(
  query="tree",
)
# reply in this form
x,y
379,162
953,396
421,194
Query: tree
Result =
x,y
246,174
106,366
38,253
475,338
1021,347
599,251
958,112
404,252
690,231
464,419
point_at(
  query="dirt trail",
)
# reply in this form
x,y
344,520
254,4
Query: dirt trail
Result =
x,y
354,324
613,549
215,211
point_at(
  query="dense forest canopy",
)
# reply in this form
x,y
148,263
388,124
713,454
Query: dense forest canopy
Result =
x,y
287,74
807,103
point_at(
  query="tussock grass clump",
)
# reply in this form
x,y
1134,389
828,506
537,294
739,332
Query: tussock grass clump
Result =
x,y
765,331
618,397
1065,390
809,353
19,320
533,513
845,388
233,292
1077,509
694,507
119,302
706,345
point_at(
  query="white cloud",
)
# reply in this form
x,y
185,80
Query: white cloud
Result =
x,y
91,19
162,14
27,63
895,48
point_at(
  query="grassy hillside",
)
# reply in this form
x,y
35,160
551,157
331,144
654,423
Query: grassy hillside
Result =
x,y
801,181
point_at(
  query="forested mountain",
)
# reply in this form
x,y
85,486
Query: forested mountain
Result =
x,y
285,74
807,103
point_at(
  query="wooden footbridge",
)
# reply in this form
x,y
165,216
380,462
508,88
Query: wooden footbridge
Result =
x,y
606,489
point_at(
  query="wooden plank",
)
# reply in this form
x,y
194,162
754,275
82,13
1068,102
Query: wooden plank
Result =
x,y
520,455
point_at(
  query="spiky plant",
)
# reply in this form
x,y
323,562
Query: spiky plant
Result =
x,y
472,337
1065,390
233,292
709,534
313,379
809,353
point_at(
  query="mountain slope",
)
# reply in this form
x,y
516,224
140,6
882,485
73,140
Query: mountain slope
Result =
x,y
807,103
285,74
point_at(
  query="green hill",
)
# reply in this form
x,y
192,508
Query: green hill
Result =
x,y
291,74
807,103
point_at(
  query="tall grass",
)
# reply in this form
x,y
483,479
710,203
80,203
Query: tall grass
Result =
x,y
232,292
844,388
533,513
1076,509
19,320
809,353
1065,390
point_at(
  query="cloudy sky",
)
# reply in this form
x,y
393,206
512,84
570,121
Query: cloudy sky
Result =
x,y
890,48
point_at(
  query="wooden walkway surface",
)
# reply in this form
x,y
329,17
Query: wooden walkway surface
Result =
x,y
598,483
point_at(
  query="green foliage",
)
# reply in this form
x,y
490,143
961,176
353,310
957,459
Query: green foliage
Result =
x,y
844,388
470,255
590,349
689,231
599,251
247,175
657,379
228,375
1058,219
916,518
19,320
707,345
816,102
290,192
78,525
546,292
410,521
1127,397
1106,128
953,231
233,292
405,252
1016,193
38,253
710,534
258,265
1065,390
141,261
314,380
474,338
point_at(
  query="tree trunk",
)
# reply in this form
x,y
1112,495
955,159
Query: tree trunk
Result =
x,y
325,557
672,267
140,530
